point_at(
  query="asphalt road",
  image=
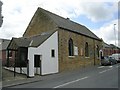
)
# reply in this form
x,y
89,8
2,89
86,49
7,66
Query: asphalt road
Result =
x,y
92,77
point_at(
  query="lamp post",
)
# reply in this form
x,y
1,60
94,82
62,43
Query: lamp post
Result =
x,y
115,36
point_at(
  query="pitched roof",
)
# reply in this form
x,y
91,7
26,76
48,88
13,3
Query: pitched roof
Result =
x,y
33,41
21,42
114,46
105,45
67,24
39,39
5,43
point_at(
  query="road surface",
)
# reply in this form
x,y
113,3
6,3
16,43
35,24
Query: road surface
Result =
x,y
93,77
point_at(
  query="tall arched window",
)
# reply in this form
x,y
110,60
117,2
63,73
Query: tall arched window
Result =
x,y
97,49
70,47
86,49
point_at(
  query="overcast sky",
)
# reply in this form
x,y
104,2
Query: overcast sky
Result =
x,y
97,15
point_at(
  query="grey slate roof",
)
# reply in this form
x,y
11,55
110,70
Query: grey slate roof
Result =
x,y
67,24
39,39
114,46
33,41
105,45
21,42
5,43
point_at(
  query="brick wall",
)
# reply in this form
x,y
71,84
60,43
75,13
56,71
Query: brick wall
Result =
x,y
40,23
4,58
79,61
109,51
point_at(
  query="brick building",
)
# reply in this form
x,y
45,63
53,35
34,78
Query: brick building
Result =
x,y
4,52
109,49
77,46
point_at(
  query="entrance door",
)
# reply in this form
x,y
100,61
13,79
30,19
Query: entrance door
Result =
x,y
37,63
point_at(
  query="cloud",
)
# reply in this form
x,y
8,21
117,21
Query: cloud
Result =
x,y
18,13
108,33
95,11
99,11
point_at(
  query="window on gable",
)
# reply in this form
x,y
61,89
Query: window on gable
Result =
x,y
70,47
86,50
52,53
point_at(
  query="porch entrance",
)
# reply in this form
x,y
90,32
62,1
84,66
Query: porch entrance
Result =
x,y
37,64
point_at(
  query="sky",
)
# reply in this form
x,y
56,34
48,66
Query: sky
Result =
x,y
100,16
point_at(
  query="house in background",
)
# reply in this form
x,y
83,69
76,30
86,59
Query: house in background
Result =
x,y
4,52
70,45
115,49
109,49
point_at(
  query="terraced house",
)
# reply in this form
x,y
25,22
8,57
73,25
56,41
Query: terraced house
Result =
x,y
56,44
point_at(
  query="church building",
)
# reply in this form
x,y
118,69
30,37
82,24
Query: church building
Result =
x,y
55,44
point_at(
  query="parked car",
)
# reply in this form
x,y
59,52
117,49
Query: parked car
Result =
x,y
112,60
116,56
108,61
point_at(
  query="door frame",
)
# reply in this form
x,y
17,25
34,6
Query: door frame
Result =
x,y
40,59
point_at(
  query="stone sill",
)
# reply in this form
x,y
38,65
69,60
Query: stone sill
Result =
x,y
71,56
87,57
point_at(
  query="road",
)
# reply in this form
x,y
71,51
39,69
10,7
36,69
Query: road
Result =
x,y
92,77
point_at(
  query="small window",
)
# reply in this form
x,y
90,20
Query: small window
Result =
x,y
52,53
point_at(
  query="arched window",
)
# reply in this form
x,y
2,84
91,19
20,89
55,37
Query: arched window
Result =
x,y
70,47
97,49
86,49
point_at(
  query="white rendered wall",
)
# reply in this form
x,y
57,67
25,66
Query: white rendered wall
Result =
x,y
49,64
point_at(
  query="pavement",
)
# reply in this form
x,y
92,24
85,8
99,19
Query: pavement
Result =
x,y
22,79
9,80
59,77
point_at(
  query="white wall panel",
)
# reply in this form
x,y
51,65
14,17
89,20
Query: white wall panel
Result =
x,y
49,64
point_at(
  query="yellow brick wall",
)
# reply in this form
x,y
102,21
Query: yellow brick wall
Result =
x,y
68,63
40,23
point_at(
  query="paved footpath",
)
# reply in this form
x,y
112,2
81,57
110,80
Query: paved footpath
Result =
x,y
76,73
22,79
8,77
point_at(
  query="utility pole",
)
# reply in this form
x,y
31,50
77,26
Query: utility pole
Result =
x,y
115,36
